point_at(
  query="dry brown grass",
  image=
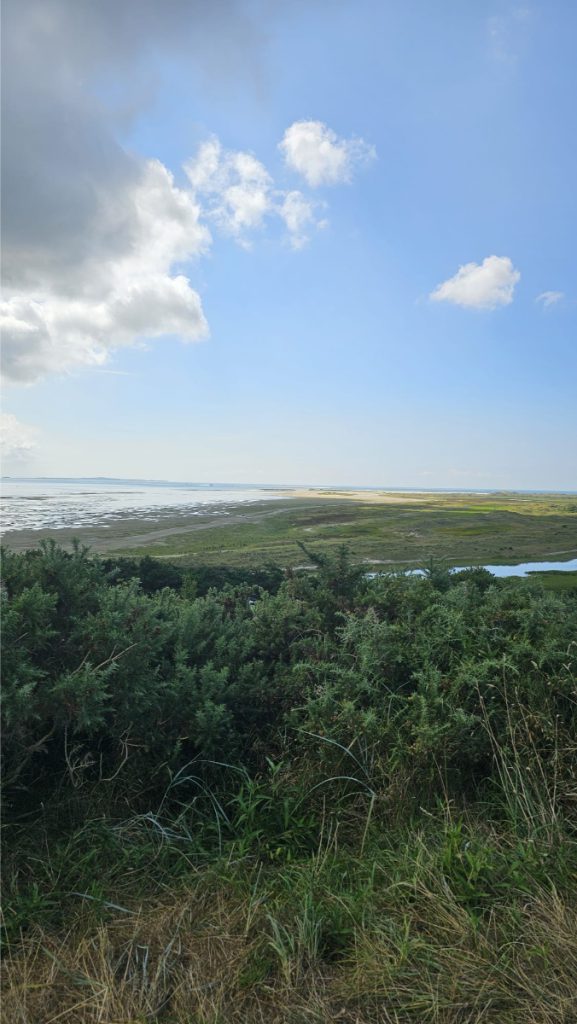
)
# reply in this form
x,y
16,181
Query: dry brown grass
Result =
x,y
449,971
211,958
193,959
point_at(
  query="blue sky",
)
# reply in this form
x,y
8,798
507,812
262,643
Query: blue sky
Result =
x,y
324,360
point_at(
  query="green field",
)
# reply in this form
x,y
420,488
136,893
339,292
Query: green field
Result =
x,y
463,529
556,580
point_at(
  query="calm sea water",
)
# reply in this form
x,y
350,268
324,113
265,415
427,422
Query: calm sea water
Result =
x,y
521,569
527,567
50,504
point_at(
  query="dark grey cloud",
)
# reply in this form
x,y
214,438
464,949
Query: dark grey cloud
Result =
x,y
65,172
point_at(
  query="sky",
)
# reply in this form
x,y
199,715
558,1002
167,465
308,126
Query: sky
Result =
x,y
301,242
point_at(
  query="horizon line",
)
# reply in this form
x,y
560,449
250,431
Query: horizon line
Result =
x,y
292,486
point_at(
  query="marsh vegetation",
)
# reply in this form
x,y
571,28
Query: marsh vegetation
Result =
x,y
391,528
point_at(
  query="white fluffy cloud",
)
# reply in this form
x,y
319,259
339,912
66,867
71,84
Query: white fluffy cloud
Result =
x,y
239,195
236,186
315,151
550,298
116,301
16,439
55,335
480,286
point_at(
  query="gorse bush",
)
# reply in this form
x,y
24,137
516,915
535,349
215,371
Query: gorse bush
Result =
x,y
424,676
299,797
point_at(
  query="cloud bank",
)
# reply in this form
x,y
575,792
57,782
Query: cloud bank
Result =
x,y
93,235
124,283
95,238
98,242
480,286
109,299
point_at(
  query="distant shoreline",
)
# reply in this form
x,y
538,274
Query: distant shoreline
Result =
x,y
299,490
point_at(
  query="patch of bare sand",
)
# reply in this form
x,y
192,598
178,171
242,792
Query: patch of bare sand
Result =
x,y
366,497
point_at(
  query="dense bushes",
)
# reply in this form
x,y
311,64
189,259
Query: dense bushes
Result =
x,y
361,792
427,676
439,679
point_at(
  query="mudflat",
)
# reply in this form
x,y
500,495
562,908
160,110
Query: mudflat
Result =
x,y
134,532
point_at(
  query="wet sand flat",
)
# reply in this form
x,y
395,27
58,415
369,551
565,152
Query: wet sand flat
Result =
x,y
136,532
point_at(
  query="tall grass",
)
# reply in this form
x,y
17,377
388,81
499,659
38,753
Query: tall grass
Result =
x,y
389,937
